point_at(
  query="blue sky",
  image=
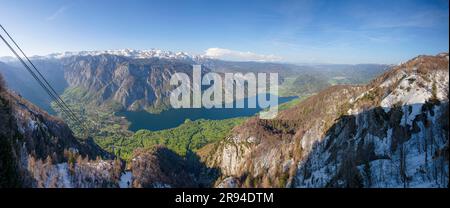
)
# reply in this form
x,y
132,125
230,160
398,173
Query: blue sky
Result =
x,y
298,31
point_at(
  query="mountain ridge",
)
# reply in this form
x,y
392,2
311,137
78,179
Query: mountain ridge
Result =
x,y
38,150
137,79
274,153
391,132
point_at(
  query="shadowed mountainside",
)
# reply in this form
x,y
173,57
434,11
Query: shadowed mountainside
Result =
x,y
402,113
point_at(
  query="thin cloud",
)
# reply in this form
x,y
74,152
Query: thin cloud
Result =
x,y
57,13
401,18
222,53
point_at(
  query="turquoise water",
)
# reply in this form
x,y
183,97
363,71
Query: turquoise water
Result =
x,y
174,117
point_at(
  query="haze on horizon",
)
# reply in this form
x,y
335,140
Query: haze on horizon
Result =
x,y
304,31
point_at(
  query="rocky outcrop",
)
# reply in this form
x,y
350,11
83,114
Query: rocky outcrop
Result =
x,y
159,167
393,135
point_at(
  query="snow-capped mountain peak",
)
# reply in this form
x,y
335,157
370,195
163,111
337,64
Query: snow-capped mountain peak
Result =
x,y
132,53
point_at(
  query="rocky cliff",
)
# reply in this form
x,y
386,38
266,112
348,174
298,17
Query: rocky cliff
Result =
x,y
159,167
132,84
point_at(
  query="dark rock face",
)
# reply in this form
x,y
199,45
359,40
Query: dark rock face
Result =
x,y
159,167
396,158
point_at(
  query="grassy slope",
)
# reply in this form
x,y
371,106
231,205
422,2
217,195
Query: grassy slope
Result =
x,y
190,136
110,131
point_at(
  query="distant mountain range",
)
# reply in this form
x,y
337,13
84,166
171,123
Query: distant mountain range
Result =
x,y
130,53
390,132
138,79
